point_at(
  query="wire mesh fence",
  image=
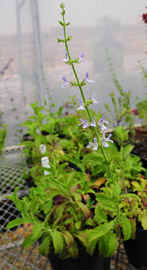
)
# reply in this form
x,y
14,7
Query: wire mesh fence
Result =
x,y
12,256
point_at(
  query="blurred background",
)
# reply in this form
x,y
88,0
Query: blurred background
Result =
x,y
31,58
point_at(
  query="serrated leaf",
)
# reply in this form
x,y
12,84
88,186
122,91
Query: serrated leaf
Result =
x,y
33,206
143,219
48,206
99,231
133,228
106,202
100,215
84,209
28,241
74,251
59,212
15,198
90,247
45,245
17,222
57,241
115,189
37,228
82,237
126,227
112,244
68,238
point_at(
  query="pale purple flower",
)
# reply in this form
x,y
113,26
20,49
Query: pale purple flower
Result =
x,y
81,59
93,124
101,123
66,82
90,145
66,58
94,100
94,145
105,140
81,107
108,139
86,78
83,123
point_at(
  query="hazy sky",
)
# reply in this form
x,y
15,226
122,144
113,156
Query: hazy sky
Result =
x,y
79,12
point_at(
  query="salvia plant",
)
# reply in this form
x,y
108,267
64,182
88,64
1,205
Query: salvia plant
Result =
x,y
72,210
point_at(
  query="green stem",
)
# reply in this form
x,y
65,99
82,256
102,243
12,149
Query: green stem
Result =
x,y
123,176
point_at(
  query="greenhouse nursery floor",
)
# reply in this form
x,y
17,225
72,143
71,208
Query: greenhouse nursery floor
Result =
x,y
12,256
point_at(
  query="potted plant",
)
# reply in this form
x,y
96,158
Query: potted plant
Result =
x,y
133,183
75,218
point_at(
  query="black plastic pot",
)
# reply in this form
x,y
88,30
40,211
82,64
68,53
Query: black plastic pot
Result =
x,y
83,262
29,181
27,137
136,249
136,151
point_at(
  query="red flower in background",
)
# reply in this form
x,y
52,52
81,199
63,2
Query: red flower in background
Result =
x,y
144,17
135,112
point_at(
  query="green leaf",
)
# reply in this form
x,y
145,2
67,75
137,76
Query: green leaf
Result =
x,y
116,189
99,231
90,247
78,224
28,241
82,237
68,238
143,219
48,206
84,209
17,222
15,198
33,206
74,251
126,227
37,230
57,241
133,228
60,40
100,215
111,244
127,150
61,23
106,202
45,245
